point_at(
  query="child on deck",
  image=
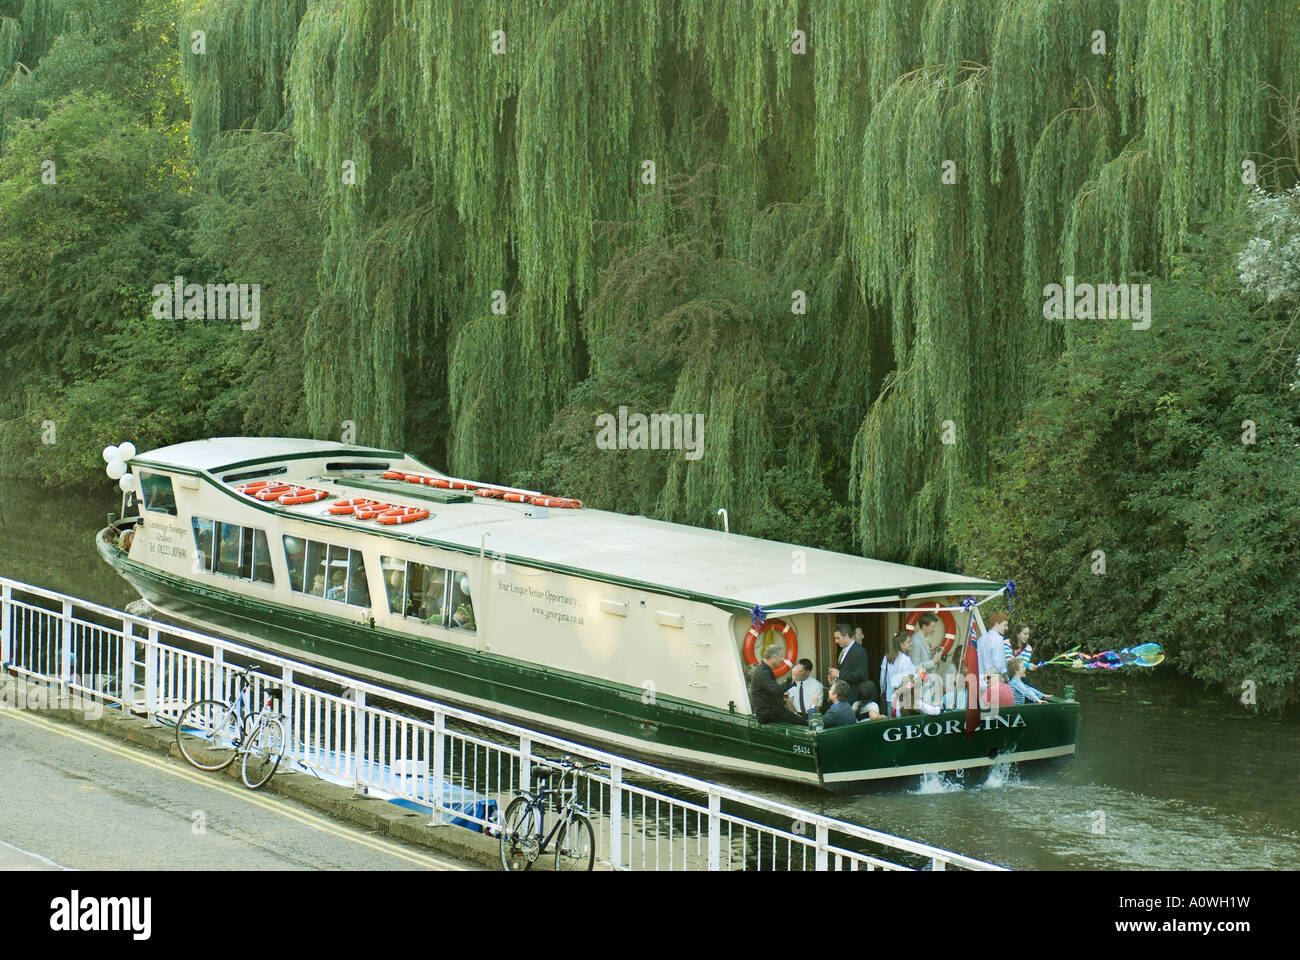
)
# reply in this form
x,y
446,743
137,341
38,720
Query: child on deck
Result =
x,y
1022,691
997,694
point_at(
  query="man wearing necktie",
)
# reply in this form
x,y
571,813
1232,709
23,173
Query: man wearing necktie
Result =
x,y
854,667
805,693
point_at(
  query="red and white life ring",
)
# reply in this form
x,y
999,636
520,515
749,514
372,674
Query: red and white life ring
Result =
x,y
786,631
565,502
273,492
949,624
302,495
348,506
371,511
403,515
250,489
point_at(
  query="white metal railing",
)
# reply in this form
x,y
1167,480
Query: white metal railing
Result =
x,y
461,766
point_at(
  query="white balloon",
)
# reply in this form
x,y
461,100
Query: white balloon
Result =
x,y
126,451
110,454
127,482
116,469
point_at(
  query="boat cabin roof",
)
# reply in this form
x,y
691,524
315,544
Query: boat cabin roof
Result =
x,y
729,569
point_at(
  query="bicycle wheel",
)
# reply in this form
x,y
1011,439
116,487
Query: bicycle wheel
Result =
x,y
265,748
519,830
208,734
575,845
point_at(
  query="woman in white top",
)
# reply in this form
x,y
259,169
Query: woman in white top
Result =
x,y
900,666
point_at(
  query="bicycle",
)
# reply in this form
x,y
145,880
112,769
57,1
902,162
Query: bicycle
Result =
x,y
259,740
522,843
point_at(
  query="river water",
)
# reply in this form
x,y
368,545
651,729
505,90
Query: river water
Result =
x,y
1163,779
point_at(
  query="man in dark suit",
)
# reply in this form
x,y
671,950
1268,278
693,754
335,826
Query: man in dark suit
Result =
x,y
854,668
840,714
766,696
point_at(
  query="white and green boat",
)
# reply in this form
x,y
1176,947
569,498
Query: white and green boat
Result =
x,y
630,632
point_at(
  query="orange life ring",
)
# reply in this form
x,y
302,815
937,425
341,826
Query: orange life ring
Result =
x,y
371,511
273,492
348,506
393,475
555,502
491,493
515,497
441,482
302,495
949,624
786,631
403,515
248,489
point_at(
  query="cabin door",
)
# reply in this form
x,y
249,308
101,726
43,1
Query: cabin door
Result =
x,y
875,635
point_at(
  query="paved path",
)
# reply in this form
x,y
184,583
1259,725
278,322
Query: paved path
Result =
x,y
70,799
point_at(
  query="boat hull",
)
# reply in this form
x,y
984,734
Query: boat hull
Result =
x,y
595,710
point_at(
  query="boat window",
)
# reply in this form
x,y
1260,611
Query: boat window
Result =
x,y
327,570
232,550
462,608
203,531
158,495
416,590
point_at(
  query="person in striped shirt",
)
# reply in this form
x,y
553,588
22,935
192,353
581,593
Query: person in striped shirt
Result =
x,y
1022,691
1023,651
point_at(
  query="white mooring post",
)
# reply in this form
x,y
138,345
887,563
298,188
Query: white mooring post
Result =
x,y
615,816
715,830
439,756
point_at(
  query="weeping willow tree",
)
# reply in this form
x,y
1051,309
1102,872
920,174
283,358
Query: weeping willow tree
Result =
x,y
915,170
27,30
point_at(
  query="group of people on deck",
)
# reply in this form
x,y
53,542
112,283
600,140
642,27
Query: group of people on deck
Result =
x,y
916,677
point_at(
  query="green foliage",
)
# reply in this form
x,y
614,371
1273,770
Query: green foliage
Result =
x,y
1172,451
252,179
91,241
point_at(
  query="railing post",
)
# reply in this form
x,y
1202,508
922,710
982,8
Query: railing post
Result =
x,y
126,682
6,639
66,660
937,864
823,838
615,816
286,708
151,675
525,762
439,756
359,742
217,682
715,830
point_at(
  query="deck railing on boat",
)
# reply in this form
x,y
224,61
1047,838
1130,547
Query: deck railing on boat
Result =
x,y
457,766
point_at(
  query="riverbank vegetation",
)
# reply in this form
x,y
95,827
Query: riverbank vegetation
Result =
x,y
827,227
